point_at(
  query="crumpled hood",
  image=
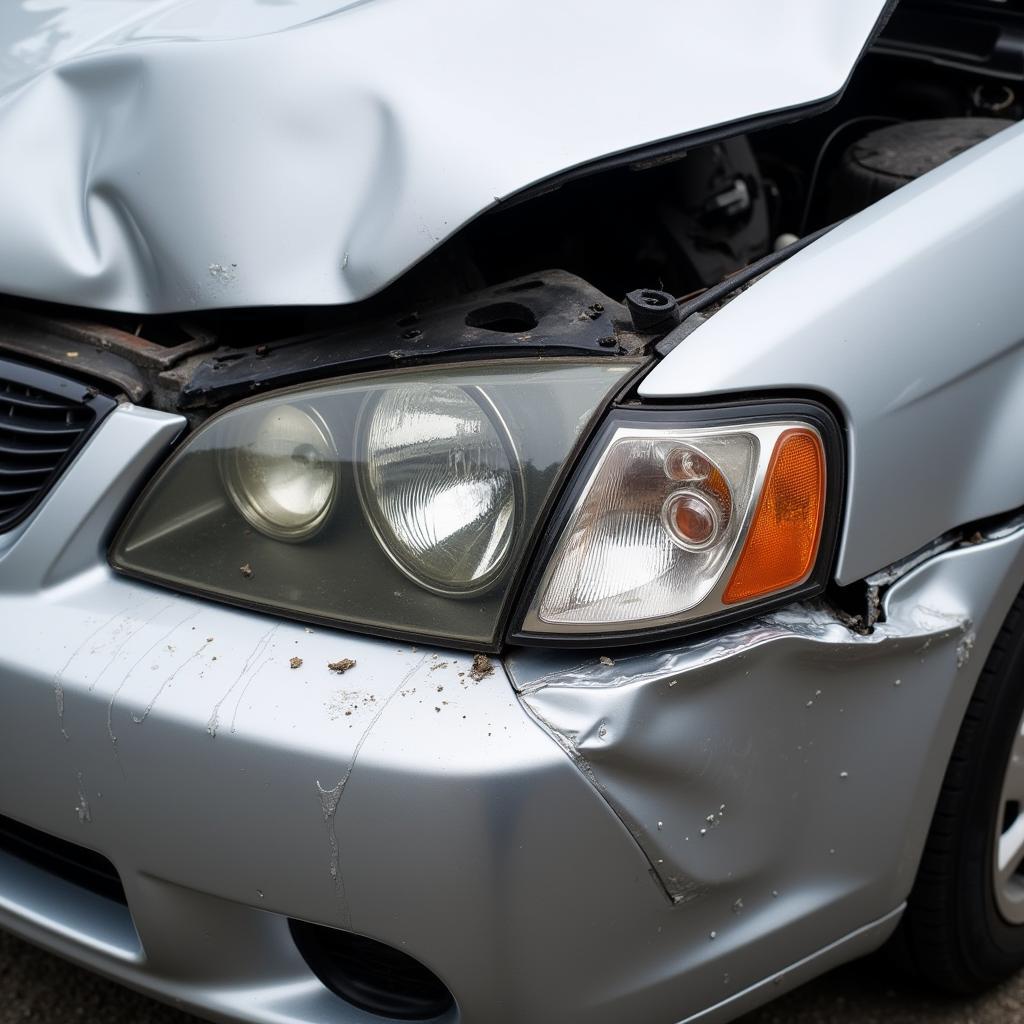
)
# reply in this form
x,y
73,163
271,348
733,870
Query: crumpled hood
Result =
x,y
165,156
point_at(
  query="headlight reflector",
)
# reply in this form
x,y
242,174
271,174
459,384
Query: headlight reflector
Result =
x,y
439,485
282,476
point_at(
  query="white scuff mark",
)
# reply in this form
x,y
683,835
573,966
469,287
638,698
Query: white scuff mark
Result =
x,y
58,679
120,686
139,719
223,273
344,261
124,643
330,798
964,648
82,807
241,693
213,723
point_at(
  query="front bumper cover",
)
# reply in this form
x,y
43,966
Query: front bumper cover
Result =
x,y
408,802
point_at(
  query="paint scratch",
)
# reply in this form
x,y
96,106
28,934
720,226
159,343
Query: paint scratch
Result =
x,y
330,798
261,646
139,719
58,679
135,664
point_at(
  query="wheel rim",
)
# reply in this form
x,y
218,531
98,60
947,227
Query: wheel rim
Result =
x,y
1008,869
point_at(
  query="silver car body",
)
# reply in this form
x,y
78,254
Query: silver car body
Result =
x,y
159,201
678,836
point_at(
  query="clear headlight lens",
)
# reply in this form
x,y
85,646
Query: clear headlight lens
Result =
x,y
671,524
440,484
282,477
393,503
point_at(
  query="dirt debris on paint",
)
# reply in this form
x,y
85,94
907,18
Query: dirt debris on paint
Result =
x,y
482,667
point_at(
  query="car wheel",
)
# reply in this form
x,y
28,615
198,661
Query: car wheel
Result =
x,y
964,925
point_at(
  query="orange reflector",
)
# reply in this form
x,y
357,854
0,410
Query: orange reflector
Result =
x,y
782,542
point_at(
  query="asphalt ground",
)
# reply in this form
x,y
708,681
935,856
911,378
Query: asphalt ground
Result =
x,y
43,989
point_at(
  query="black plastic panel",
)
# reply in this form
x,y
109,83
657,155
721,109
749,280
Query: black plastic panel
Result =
x,y
44,420
58,857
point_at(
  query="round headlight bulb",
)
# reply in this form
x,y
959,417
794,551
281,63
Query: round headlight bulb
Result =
x,y
440,487
692,520
283,477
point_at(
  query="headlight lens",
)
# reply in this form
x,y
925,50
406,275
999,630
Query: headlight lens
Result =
x,y
440,484
282,477
670,524
392,503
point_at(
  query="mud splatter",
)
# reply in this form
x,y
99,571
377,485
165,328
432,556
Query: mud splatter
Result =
x,y
482,667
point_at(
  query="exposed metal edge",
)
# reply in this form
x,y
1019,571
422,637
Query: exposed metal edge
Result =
x,y
857,944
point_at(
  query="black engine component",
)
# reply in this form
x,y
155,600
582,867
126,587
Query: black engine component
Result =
x,y
723,222
886,159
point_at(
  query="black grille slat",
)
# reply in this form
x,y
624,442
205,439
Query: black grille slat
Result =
x,y
30,403
58,857
16,446
13,471
42,428
7,491
44,419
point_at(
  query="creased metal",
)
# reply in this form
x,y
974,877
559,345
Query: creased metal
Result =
x,y
166,156
720,755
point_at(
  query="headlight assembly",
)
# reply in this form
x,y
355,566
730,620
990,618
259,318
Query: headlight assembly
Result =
x,y
680,520
401,503
411,503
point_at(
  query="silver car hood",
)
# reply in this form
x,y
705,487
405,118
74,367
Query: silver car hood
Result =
x,y
168,155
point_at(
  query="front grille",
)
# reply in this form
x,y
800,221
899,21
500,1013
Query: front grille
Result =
x,y
44,420
58,857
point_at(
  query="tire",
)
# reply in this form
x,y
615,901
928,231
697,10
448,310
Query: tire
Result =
x,y
959,932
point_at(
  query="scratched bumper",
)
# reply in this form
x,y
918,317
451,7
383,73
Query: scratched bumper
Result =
x,y
682,834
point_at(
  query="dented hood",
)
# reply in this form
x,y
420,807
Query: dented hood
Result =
x,y
165,156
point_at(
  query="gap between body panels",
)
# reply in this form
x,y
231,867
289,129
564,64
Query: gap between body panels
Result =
x,y
860,606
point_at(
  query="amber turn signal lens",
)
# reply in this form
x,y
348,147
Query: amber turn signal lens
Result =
x,y
782,543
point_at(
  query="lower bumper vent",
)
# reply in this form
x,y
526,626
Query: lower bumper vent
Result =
x,y
371,975
75,864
